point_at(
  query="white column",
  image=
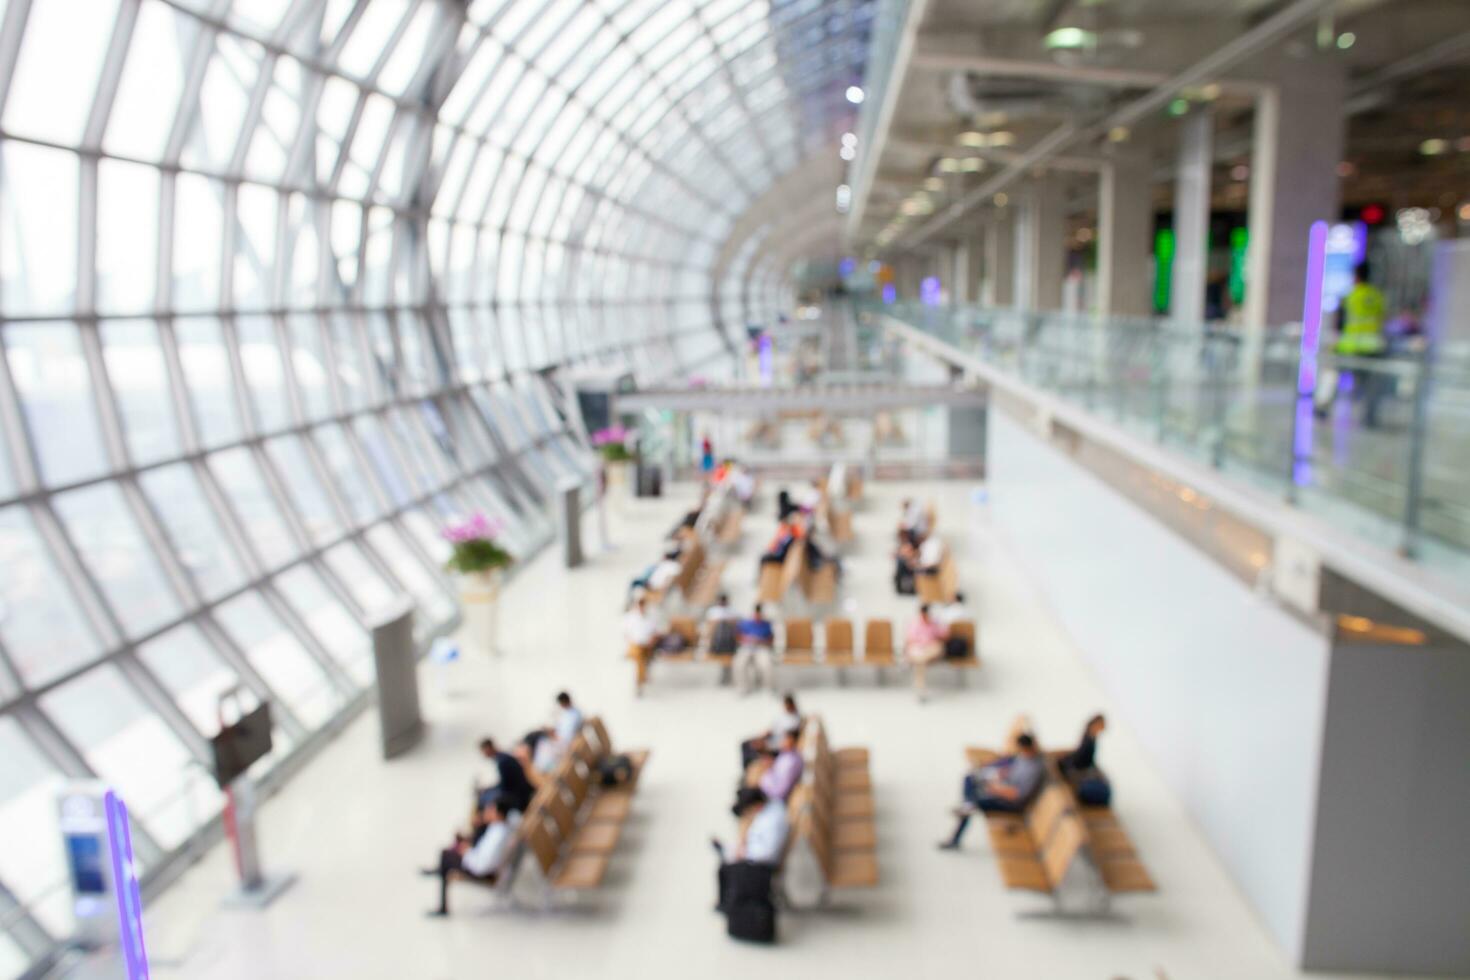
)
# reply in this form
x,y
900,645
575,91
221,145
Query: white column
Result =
x,y
1040,246
961,287
1125,221
1297,145
1192,217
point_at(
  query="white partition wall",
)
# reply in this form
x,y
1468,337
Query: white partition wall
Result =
x,y
1225,690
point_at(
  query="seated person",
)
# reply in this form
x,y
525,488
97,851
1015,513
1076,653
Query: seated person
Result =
x,y
761,842
784,772
1004,786
809,497
1079,767
643,631
789,720
513,790
724,627
551,743
484,859
742,481
661,574
929,556
787,532
913,521
925,644
754,662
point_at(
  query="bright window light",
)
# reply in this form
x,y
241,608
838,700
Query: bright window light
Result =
x,y
855,94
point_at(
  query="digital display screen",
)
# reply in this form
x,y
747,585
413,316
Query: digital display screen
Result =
x,y
84,853
241,744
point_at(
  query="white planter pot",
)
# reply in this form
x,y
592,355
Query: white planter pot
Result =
x,y
479,597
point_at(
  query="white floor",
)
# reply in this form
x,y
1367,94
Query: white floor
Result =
x,y
355,829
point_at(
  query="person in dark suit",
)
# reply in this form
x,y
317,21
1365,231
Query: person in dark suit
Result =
x,y
513,792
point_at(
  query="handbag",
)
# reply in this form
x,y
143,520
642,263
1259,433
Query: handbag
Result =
x,y
615,770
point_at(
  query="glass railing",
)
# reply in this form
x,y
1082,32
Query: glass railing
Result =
x,y
1378,445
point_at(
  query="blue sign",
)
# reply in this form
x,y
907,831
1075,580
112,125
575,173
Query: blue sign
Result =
x,y
125,881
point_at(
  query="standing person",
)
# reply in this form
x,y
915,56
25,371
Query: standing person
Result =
x,y
513,790
925,644
706,456
1002,787
643,632
1360,334
484,859
755,662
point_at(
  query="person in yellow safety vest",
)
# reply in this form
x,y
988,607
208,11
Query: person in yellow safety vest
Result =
x,y
1362,318
1360,335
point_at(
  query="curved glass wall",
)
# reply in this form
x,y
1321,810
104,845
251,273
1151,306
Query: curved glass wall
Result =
x,y
285,285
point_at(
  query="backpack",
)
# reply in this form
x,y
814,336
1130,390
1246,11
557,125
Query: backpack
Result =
x,y
956,648
615,770
724,637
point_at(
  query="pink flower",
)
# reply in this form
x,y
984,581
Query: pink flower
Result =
x,y
473,528
611,434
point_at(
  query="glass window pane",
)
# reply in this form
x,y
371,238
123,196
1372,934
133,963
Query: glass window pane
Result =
x,y
198,234
38,205
385,462
237,475
309,363
56,74
279,657
127,236
56,393
128,745
109,540
152,81
28,788
193,528
362,580
188,667
136,369
42,627
434,602
211,386
352,482
329,621
312,504
264,371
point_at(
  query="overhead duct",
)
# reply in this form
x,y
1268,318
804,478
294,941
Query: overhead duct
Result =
x,y
973,95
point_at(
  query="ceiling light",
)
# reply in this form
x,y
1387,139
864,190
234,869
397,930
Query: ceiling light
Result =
x,y
855,94
1001,200
949,165
1001,138
1433,148
1464,211
1069,39
1084,234
1210,92
847,152
1118,134
1240,172
972,138
972,165
849,139
1346,40
1178,107
934,184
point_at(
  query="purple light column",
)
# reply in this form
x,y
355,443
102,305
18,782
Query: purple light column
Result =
x,y
1306,379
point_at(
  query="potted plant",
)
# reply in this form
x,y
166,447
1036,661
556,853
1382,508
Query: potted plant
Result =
x,y
478,559
612,444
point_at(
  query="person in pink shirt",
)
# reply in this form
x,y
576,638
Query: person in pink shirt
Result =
x,y
784,773
925,644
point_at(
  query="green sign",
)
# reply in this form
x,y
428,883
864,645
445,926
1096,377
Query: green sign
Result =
x,y
1163,269
1240,239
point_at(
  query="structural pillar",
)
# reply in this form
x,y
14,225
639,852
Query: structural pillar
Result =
x,y
1000,259
1125,221
1297,144
1192,217
1041,258
962,288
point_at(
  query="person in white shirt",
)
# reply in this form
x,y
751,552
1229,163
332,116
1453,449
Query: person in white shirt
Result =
x,y
931,555
789,720
914,520
809,497
557,739
763,840
662,575
643,632
947,613
483,857
743,482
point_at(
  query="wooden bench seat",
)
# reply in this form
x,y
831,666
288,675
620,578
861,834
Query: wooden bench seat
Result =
x,y
574,824
835,813
1035,849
